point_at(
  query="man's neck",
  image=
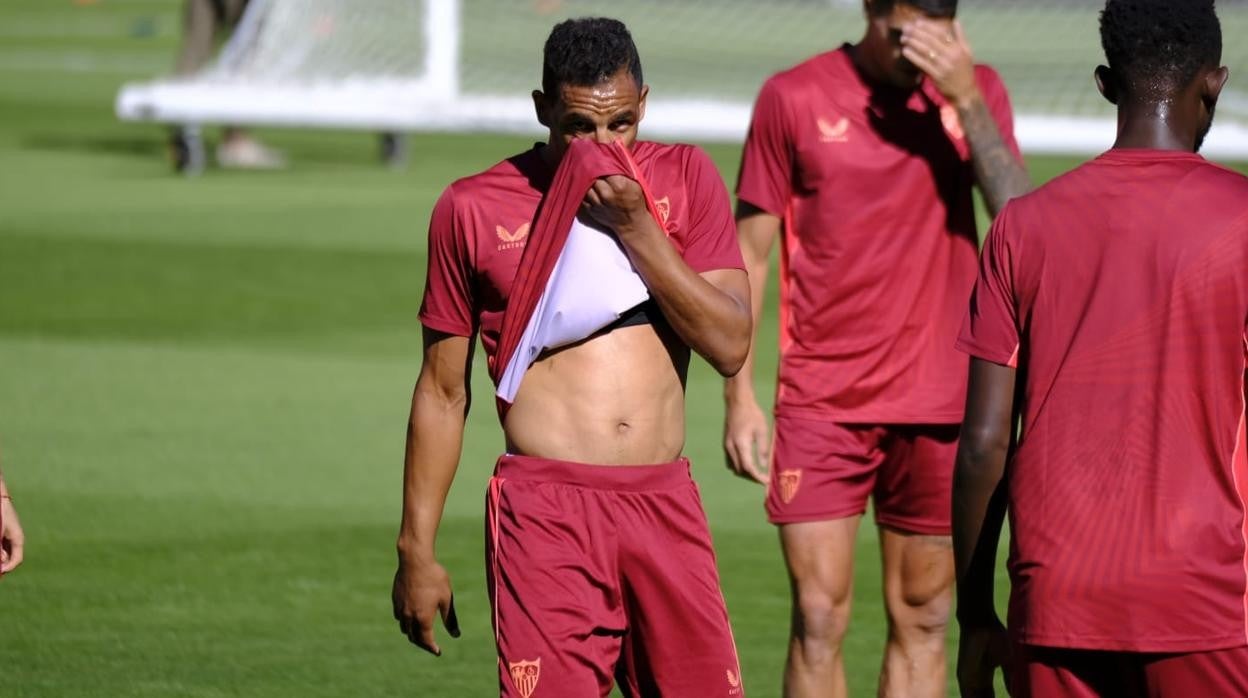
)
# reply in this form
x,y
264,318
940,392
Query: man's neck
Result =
x,y
868,70
1155,126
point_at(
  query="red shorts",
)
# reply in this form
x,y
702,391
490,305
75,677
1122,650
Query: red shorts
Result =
x,y
823,471
1043,672
601,572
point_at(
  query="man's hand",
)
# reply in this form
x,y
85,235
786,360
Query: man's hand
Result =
x,y
12,539
618,203
982,649
942,52
747,440
421,593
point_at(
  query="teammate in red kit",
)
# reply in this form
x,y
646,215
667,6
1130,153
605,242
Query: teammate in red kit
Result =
x,y
862,161
1114,301
600,564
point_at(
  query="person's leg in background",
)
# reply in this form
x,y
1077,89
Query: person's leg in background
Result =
x,y
820,559
204,21
918,594
912,494
822,474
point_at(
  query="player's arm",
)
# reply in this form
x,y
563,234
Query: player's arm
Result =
x,y
746,432
435,429
979,505
709,311
945,56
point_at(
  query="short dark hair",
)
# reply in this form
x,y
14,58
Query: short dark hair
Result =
x,y
1156,46
586,51
932,8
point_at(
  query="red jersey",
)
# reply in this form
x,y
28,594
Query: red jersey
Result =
x,y
879,244
481,224
1120,290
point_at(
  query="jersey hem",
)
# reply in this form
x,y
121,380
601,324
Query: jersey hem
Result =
x,y
749,198
717,265
450,327
865,417
1110,644
1008,360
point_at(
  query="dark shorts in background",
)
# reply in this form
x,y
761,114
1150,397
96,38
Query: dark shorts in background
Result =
x,y
823,471
601,572
1044,672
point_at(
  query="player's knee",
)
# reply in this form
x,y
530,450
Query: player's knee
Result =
x,y
821,618
921,610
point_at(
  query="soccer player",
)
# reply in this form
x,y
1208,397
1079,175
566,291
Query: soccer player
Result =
x,y
863,161
599,557
12,539
1110,316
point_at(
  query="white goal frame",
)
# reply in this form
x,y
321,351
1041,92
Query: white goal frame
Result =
x,y
434,101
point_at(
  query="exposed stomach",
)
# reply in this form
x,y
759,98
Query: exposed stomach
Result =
x,y
615,399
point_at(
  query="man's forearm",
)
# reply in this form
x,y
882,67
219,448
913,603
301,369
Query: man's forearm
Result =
x,y
434,442
741,386
713,322
979,485
979,505
1000,175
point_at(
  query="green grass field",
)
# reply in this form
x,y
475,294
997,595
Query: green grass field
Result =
x,y
203,392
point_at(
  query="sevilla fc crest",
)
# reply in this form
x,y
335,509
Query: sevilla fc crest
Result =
x,y
524,676
790,481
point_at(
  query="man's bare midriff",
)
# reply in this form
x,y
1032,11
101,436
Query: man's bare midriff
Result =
x,y
615,399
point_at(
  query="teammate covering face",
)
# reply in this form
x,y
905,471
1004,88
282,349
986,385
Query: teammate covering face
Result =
x,y
1109,321
600,566
862,161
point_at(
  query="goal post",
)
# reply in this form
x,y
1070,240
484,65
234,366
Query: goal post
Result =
x,y
469,65
355,64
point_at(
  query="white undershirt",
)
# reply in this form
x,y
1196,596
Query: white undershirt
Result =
x,y
592,285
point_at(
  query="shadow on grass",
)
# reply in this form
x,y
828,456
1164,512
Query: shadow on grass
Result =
x,y
134,146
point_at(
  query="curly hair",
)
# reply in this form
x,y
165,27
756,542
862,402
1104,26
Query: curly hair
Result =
x,y
1157,46
931,8
586,51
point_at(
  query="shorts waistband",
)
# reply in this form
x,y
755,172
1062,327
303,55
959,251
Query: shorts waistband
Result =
x,y
622,478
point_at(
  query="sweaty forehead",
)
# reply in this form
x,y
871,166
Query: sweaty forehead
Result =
x,y
605,98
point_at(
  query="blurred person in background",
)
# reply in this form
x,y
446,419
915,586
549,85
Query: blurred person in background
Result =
x,y
12,539
862,162
205,22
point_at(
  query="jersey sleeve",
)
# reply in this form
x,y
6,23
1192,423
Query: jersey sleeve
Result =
x,y
990,331
711,241
766,176
997,99
448,304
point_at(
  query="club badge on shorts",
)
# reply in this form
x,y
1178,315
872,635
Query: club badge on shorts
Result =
x,y
524,675
790,481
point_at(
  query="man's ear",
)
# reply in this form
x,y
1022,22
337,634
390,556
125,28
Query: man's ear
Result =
x,y
1214,81
641,103
1107,83
541,108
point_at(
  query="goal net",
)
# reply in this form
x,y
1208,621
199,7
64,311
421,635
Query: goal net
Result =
x,y
456,65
